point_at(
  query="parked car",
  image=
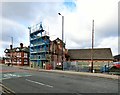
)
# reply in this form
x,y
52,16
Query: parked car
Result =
x,y
116,64
115,67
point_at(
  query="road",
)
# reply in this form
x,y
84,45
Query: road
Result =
x,y
28,81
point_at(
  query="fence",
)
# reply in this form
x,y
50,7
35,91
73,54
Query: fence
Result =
x,y
76,67
83,66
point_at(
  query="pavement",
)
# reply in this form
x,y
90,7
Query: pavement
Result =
x,y
101,75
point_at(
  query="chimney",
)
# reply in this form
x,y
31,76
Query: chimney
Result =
x,y
21,45
11,47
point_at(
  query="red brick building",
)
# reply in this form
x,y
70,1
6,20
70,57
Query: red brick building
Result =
x,y
82,57
17,56
2,60
56,52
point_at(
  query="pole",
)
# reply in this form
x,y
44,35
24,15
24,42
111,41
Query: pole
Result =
x,y
29,46
92,47
62,38
12,50
12,40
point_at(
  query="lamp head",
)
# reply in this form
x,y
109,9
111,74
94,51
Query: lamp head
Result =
x,y
59,13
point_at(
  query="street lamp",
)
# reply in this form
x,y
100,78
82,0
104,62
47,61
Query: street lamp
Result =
x,y
29,46
12,40
62,36
11,50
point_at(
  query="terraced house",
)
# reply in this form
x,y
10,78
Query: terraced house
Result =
x,y
17,56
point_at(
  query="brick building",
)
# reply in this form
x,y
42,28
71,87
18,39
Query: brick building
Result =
x,y
56,52
44,53
17,56
82,57
2,60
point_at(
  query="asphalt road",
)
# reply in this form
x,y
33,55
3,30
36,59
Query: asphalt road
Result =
x,y
28,81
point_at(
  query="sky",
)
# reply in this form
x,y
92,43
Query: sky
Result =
x,y
16,17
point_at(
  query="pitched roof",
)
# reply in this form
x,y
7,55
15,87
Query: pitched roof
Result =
x,y
117,56
18,49
58,40
84,54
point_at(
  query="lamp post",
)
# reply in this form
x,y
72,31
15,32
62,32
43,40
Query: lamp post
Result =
x,y
62,36
30,46
12,51
12,40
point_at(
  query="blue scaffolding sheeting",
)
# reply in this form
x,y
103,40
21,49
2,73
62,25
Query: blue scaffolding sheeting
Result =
x,y
39,46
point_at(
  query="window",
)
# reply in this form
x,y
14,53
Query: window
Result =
x,y
25,55
18,54
25,60
19,60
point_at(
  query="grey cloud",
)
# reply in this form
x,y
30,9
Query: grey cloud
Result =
x,y
25,12
21,12
15,30
110,29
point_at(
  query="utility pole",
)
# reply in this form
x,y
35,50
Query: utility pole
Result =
x,y
92,47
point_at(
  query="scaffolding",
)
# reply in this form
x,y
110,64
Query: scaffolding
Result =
x,y
39,46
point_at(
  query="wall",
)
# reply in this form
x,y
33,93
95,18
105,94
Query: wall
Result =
x,y
84,65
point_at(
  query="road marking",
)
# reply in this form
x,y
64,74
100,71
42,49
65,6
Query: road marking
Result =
x,y
6,89
3,71
9,75
39,83
4,78
27,75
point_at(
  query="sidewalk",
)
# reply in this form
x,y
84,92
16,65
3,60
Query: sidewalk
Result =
x,y
72,72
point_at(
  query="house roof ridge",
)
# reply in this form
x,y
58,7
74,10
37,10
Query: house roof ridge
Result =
x,y
99,53
89,48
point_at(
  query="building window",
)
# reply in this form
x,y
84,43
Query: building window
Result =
x,y
18,54
19,60
25,60
25,55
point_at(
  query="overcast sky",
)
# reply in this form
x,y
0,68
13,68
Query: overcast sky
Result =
x,y
78,15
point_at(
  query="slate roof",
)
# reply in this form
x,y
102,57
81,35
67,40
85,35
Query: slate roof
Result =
x,y
18,49
85,54
57,40
117,56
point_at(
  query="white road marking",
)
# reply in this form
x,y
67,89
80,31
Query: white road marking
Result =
x,y
27,75
4,78
9,76
39,83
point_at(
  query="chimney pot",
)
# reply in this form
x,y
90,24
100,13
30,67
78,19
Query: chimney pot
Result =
x,y
11,47
21,45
